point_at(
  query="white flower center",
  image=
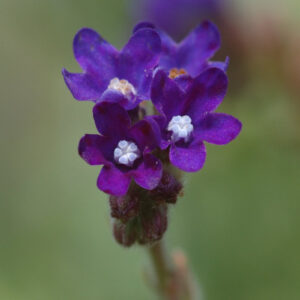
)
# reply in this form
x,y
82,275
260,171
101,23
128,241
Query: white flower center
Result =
x,y
126,153
123,86
181,127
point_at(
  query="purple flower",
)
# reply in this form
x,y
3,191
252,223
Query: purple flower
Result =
x,y
187,118
190,56
123,150
111,75
176,17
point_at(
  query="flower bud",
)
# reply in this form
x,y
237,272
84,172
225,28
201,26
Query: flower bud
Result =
x,y
168,188
124,207
153,224
125,234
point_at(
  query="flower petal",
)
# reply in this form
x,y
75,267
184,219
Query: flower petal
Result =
x,y
149,172
161,122
95,149
200,45
142,25
189,159
184,81
113,96
113,181
168,52
166,95
94,54
205,93
82,86
223,65
111,119
146,133
168,46
218,128
138,58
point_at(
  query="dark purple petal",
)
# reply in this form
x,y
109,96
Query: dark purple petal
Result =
x,y
149,172
161,122
94,54
113,181
168,46
82,86
113,96
111,119
166,95
218,128
146,133
95,149
142,25
205,93
184,81
188,159
200,45
138,58
168,52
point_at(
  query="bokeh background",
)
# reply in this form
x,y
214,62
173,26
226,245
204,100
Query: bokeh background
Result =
x,y
239,218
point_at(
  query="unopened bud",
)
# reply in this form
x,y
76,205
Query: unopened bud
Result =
x,y
124,207
125,234
154,224
168,189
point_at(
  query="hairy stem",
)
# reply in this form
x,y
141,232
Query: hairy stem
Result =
x,y
161,266
173,281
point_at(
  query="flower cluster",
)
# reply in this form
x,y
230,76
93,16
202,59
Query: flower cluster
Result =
x,y
142,146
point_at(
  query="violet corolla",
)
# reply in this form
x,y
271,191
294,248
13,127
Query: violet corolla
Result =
x,y
125,75
188,118
122,149
192,55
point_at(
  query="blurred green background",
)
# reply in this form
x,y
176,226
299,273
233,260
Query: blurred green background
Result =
x,y
239,218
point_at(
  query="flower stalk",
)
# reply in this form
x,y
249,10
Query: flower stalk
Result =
x,y
172,279
162,267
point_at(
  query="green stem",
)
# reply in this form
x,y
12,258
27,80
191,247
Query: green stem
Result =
x,y
172,280
162,267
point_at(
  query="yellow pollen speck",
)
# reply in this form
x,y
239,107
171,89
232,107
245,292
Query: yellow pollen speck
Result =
x,y
176,72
